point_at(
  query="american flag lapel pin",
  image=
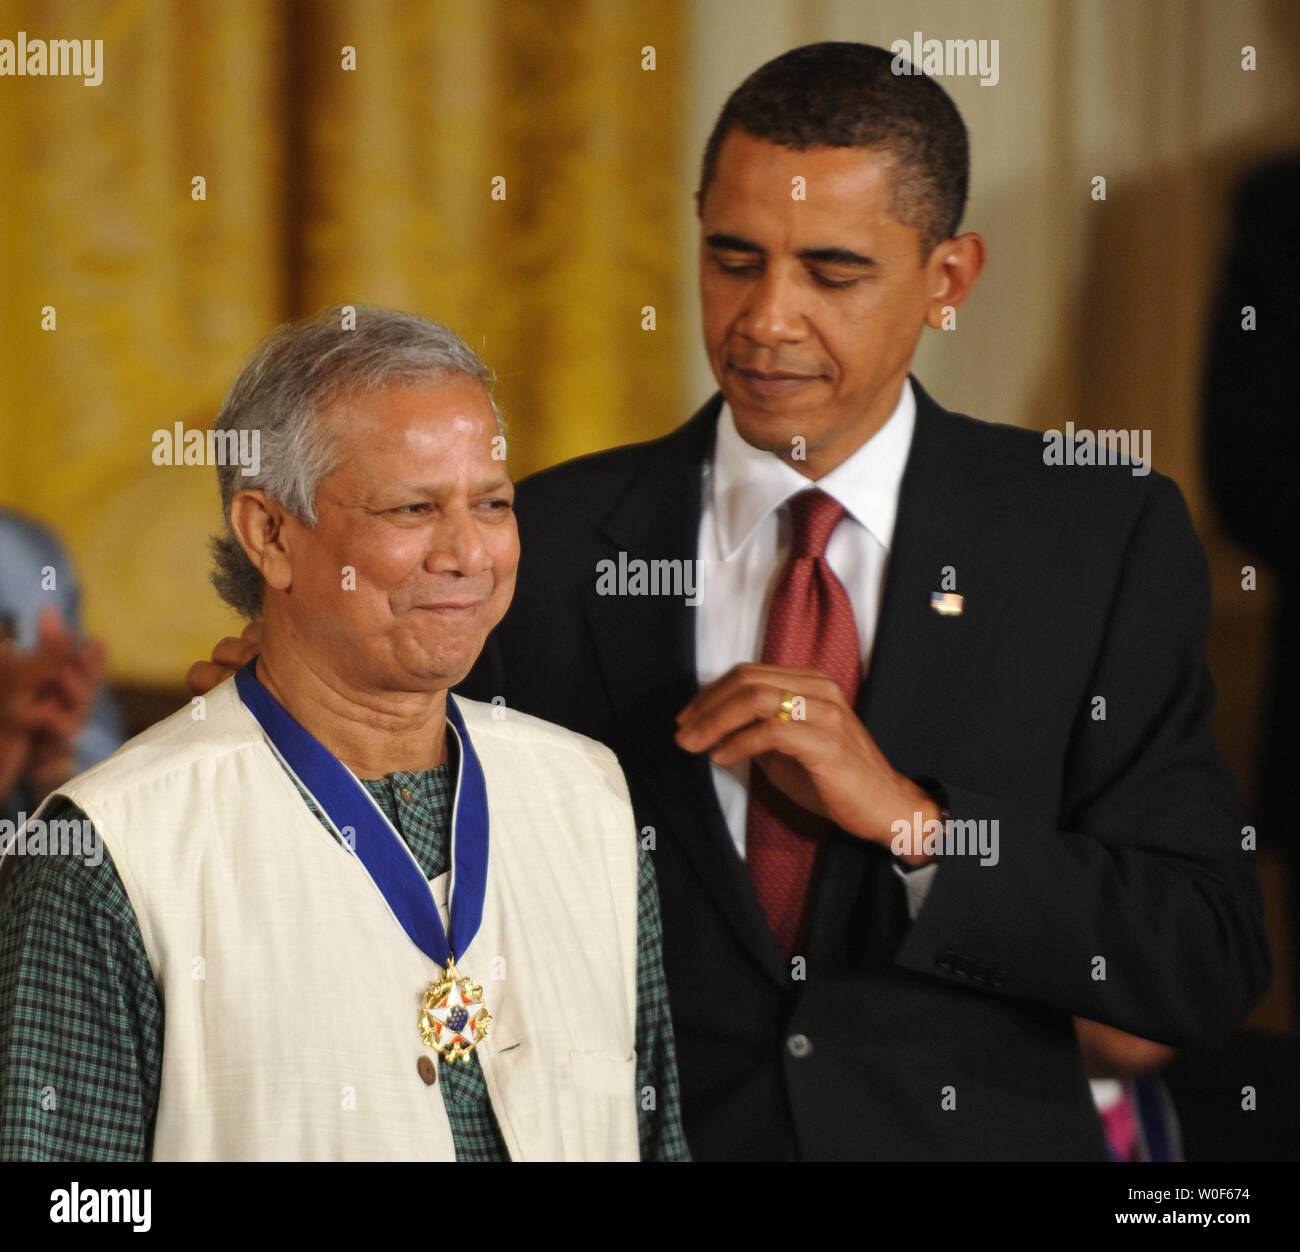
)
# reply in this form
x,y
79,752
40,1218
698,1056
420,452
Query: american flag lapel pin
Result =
x,y
945,603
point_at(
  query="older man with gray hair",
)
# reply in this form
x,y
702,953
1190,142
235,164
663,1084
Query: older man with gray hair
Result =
x,y
343,915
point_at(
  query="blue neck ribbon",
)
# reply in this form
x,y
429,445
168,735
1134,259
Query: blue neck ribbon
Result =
x,y
379,847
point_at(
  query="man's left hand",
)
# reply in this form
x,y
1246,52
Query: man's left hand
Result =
x,y
823,758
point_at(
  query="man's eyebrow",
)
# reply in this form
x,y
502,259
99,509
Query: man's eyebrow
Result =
x,y
437,489
730,243
825,256
838,256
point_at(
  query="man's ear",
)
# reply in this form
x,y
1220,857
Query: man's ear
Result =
x,y
259,525
951,271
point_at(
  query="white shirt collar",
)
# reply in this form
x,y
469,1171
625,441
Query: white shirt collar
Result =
x,y
747,483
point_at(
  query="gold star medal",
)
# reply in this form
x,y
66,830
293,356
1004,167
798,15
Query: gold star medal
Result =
x,y
455,1019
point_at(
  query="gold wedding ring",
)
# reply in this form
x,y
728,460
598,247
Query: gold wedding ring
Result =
x,y
787,707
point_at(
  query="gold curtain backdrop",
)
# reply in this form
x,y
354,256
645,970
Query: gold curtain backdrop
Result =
x,y
323,185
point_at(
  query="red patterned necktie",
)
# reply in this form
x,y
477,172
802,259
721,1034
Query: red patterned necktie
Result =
x,y
810,626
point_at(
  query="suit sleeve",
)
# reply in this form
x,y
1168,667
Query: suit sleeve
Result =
x,y
1142,910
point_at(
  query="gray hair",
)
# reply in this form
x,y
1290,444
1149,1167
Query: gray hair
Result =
x,y
298,371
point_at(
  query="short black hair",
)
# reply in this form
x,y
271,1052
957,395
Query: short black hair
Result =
x,y
849,95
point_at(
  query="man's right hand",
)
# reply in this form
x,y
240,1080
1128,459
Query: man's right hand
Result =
x,y
228,656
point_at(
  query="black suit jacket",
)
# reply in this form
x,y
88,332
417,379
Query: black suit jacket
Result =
x,y
949,1036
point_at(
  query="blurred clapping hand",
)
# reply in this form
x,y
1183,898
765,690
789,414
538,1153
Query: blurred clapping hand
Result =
x,y
46,694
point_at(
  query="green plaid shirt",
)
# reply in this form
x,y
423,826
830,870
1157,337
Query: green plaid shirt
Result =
x,y
81,1017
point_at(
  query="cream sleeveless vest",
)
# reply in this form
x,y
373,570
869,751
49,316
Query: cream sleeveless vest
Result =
x,y
291,993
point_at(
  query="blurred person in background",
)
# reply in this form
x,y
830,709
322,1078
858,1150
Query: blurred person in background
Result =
x,y
57,717
1252,451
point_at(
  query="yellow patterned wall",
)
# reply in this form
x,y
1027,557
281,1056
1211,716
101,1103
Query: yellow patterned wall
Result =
x,y
323,184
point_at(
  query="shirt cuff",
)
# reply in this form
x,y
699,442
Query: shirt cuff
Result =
x,y
916,885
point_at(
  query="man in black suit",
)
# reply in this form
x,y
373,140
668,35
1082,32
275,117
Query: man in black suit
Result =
x,y
1068,699
1029,643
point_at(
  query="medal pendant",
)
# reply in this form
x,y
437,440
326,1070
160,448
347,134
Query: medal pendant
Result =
x,y
455,1018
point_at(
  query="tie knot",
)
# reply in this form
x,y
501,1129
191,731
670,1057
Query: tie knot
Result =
x,y
813,515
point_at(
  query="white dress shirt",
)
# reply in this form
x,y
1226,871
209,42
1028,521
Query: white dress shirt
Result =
x,y
744,541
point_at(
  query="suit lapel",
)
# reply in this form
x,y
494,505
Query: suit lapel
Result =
x,y
645,644
920,655
646,650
